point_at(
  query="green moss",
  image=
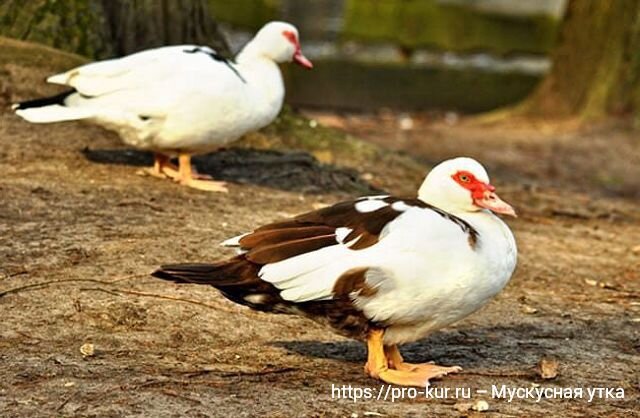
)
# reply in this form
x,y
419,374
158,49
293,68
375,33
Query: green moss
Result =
x,y
71,25
291,131
426,23
248,14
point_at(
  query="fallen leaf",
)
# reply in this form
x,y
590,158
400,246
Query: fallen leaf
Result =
x,y
87,350
548,368
607,285
480,406
591,282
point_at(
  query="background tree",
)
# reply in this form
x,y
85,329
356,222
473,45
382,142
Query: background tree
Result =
x,y
141,24
596,64
107,28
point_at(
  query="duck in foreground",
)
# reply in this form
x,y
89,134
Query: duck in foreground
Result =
x,y
178,100
380,269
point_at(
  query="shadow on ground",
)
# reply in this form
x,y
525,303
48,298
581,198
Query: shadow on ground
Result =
x,y
290,171
470,348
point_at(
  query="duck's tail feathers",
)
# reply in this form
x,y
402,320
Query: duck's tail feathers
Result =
x,y
234,272
51,109
237,279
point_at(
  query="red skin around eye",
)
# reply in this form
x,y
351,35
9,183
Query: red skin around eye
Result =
x,y
475,186
291,37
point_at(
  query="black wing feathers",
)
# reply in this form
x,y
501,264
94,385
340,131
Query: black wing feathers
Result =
x,y
217,57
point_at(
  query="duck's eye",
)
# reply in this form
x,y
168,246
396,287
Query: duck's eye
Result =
x,y
465,178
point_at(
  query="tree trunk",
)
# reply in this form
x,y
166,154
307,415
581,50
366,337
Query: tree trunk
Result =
x,y
596,65
106,28
134,25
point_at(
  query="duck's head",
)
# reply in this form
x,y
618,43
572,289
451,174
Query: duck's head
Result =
x,y
462,185
279,41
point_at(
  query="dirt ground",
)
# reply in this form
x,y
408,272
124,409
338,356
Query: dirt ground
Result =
x,y
80,231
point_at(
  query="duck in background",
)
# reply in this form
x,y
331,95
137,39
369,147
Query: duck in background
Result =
x,y
178,100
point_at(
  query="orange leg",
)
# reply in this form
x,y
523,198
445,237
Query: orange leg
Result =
x,y
162,167
379,365
187,177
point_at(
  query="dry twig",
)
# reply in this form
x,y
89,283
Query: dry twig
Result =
x,y
120,292
40,285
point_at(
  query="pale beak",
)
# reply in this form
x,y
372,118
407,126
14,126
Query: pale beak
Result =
x,y
301,60
491,201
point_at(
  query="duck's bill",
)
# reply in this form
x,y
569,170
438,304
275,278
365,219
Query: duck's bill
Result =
x,y
491,201
302,61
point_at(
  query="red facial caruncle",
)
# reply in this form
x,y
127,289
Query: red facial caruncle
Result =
x,y
482,194
471,183
298,58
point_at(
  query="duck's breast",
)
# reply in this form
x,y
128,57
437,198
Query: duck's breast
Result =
x,y
437,274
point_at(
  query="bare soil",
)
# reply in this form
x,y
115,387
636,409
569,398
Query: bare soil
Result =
x,y
80,232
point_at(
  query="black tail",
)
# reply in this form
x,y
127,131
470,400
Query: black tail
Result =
x,y
45,101
235,272
237,279
186,273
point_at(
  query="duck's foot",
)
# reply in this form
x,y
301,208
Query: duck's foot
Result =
x,y
161,174
199,176
386,364
395,361
206,185
188,177
419,378
162,168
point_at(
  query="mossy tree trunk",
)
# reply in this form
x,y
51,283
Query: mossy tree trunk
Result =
x,y
107,28
596,65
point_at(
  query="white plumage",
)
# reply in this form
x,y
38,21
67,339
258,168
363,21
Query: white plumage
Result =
x,y
427,272
432,275
382,269
181,99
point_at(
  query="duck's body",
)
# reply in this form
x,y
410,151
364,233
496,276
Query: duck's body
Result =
x,y
441,274
381,269
177,100
170,100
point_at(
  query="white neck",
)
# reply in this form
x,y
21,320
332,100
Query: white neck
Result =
x,y
249,52
263,76
442,203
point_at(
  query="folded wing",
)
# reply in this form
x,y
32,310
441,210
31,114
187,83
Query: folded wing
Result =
x,y
132,89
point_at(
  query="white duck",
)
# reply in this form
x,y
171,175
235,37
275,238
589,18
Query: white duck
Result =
x,y
381,269
178,100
